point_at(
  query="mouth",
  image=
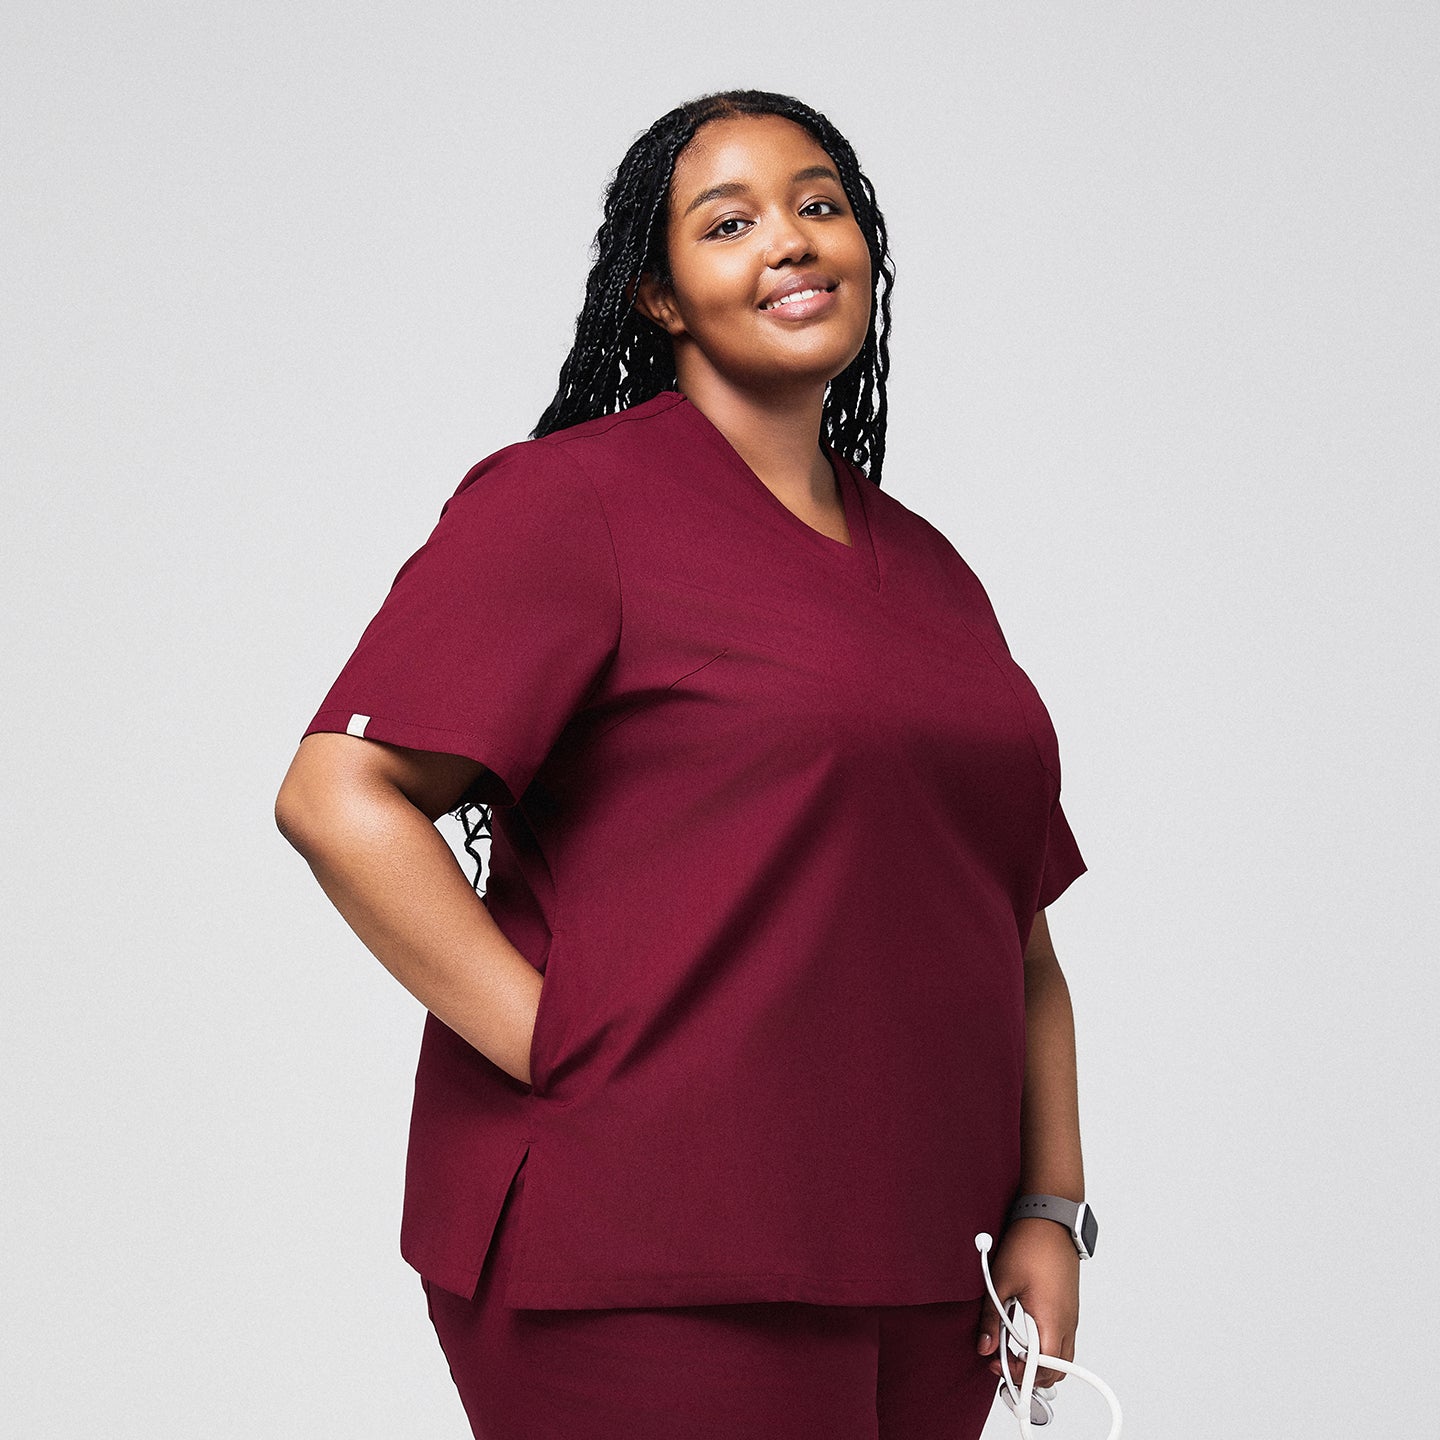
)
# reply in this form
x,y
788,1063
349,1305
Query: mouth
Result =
x,y
802,298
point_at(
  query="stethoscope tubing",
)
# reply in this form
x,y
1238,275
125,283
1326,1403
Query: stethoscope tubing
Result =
x,y
1023,1395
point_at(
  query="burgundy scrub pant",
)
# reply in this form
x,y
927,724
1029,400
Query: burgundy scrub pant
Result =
x,y
773,1370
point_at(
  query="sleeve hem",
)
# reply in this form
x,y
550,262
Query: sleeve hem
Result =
x,y
1064,864
1049,897
414,736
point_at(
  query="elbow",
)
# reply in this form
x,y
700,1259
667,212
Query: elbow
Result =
x,y
305,803
331,789
293,818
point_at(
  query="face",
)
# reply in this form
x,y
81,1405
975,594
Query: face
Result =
x,y
757,211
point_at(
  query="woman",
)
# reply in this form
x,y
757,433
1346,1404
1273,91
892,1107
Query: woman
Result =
x,y
775,815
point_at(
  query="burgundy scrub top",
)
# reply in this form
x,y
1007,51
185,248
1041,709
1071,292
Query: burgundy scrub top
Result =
x,y
774,816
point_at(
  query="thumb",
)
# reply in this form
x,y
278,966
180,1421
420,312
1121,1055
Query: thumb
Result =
x,y
989,1328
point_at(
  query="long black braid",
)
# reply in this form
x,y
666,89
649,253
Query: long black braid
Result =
x,y
621,358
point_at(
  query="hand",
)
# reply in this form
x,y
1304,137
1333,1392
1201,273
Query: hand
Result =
x,y
1035,1261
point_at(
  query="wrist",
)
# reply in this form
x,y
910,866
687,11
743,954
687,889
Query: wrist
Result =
x,y
1075,1216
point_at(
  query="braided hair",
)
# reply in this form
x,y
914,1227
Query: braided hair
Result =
x,y
621,358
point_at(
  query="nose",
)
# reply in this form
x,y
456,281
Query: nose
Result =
x,y
788,241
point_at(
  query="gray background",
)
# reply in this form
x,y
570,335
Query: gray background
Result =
x,y
1164,370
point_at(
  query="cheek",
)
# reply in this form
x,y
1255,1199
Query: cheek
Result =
x,y
863,267
865,282
713,288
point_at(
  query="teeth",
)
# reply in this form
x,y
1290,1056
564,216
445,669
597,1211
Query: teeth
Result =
x,y
794,295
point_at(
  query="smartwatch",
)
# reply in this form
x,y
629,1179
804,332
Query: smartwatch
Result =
x,y
1075,1215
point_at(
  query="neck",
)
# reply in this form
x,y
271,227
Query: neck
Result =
x,y
775,430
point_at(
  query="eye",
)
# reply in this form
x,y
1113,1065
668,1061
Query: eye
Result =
x,y
729,220
836,208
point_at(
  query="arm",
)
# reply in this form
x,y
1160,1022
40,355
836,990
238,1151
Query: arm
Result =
x,y
362,813
1050,1111
1036,1258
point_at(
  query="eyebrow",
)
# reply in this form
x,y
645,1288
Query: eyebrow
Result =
x,y
738,187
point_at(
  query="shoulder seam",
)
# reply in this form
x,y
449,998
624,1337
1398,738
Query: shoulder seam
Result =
x,y
620,417
609,533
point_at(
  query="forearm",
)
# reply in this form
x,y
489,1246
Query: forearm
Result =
x,y
392,876
1050,1112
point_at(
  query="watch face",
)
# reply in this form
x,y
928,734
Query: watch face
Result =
x,y
1089,1229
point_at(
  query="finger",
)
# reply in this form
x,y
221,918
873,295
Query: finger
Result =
x,y
1067,1351
1046,1375
987,1330
1016,1364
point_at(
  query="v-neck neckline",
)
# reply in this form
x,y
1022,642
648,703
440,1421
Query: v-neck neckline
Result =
x,y
859,555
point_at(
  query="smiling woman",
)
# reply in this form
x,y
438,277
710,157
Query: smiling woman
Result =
x,y
775,815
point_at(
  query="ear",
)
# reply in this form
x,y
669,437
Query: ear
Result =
x,y
656,302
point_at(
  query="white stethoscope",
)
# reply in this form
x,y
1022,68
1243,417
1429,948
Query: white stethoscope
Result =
x,y
1032,1406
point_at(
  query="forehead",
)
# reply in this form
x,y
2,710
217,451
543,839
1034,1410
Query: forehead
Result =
x,y
751,149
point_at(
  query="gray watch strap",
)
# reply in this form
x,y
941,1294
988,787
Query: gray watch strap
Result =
x,y
1075,1215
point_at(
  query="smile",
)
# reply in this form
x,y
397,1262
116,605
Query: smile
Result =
x,y
794,298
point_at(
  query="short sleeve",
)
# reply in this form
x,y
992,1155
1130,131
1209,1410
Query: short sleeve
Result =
x,y
496,628
1063,861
